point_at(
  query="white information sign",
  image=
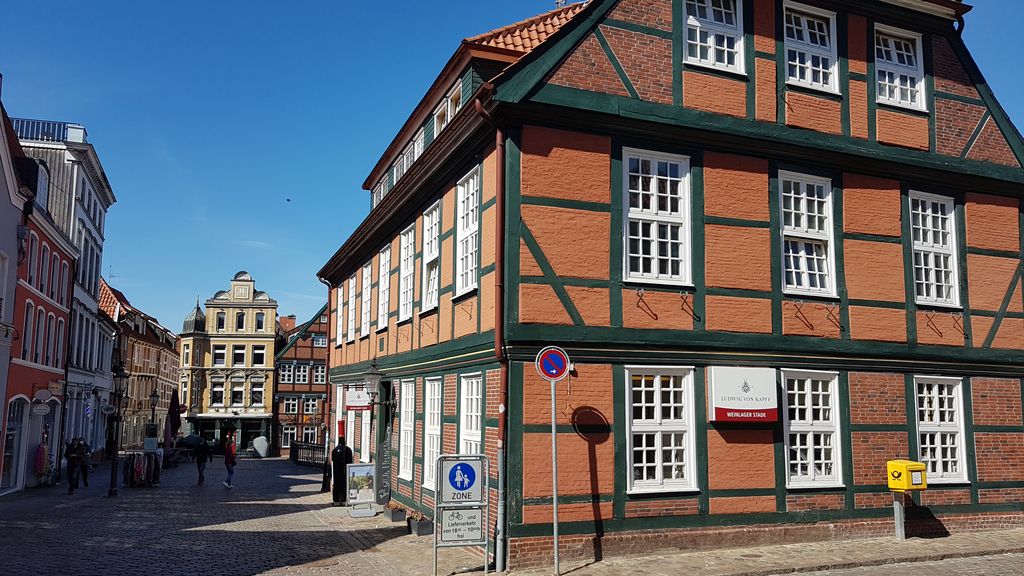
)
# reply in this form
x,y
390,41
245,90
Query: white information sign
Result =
x,y
462,481
357,399
740,394
462,526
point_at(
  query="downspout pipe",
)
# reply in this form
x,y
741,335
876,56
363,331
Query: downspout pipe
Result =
x,y
499,326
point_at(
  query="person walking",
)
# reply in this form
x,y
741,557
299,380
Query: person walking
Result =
x,y
75,454
86,460
202,457
229,459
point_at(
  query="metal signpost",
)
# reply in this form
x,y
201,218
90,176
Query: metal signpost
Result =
x,y
553,364
461,510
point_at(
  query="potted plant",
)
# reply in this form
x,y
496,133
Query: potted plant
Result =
x,y
394,512
419,524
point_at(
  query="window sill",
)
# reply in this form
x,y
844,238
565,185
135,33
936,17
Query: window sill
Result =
x,y
402,321
464,294
658,282
811,487
948,482
406,478
381,329
789,292
939,306
426,311
664,490
812,90
897,107
736,74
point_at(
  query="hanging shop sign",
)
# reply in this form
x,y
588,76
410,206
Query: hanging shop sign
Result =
x,y
743,394
357,399
40,409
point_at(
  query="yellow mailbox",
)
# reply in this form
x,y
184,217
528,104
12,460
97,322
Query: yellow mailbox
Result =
x,y
906,475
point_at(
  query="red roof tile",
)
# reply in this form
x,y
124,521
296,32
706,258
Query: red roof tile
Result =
x,y
526,35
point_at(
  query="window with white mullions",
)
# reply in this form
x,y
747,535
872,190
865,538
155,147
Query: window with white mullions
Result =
x,y
807,248
383,287
660,417
657,234
432,430
431,253
898,68
810,47
940,428
350,311
812,429
407,422
406,273
466,232
366,300
934,242
714,34
471,412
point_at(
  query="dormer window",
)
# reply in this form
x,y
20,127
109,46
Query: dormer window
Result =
x,y
451,104
714,34
898,66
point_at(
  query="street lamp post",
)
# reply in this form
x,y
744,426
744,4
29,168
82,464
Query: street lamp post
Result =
x,y
120,386
154,398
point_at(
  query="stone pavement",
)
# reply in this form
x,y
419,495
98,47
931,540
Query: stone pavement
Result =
x,y
277,522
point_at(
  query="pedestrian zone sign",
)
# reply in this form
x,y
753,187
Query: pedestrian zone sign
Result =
x,y
462,480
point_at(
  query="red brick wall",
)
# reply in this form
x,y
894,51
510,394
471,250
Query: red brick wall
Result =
x,y
954,123
651,508
1000,456
801,502
871,451
646,60
653,13
996,401
900,129
877,398
714,94
587,68
813,113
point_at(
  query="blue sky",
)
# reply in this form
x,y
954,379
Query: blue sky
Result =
x,y
208,116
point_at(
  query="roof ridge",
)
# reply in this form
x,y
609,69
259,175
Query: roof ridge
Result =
x,y
567,12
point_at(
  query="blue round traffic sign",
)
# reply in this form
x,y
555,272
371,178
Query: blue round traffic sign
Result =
x,y
552,363
461,477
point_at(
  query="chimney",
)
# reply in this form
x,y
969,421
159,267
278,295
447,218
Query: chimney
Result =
x,y
287,322
76,133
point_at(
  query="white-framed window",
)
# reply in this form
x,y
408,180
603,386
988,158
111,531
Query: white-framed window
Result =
x,y
302,373
940,428
219,352
350,324
467,204
471,415
220,321
256,393
417,143
657,205
659,417
260,321
238,355
449,106
406,273
377,195
366,301
432,430
237,391
309,405
319,374
898,68
399,167
339,314
287,435
323,318
808,261
291,405
309,434
813,451
810,47
186,355
259,355
239,321
407,419
933,232
383,287
285,373
217,392
714,34
431,256
320,340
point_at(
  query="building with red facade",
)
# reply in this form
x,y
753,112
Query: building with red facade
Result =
x,y
301,406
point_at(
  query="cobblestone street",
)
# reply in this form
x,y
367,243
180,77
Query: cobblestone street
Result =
x,y
275,521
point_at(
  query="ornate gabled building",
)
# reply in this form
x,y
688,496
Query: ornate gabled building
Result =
x,y
227,363
780,241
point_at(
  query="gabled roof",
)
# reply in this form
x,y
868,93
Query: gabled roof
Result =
x,y
297,333
526,35
110,297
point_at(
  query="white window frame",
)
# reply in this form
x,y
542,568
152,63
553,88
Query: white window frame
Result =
x,y
716,29
262,350
307,432
383,287
656,217
956,427
932,249
302,373
366,300
350,324
659,427
288,435
431,260
432,429
407,427
218,386
223,349
310,405
339,314
467,233
407,273
235,348
291,405
237,386
885,66
286,374
254,387
319,340
805,234
471,413
447,108
811,426
811,50
364,438
319,374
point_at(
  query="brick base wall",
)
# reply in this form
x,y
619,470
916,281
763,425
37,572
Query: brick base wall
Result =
x,y
536,551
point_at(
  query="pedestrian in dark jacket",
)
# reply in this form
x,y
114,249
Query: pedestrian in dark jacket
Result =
x,y
229,459
75,453
202,457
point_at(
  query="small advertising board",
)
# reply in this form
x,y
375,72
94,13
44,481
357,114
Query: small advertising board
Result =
x,y
741,394
362,484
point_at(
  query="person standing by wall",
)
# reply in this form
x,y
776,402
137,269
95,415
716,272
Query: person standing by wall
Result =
x,y
229,459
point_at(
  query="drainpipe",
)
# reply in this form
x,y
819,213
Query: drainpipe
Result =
x,y
499,326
